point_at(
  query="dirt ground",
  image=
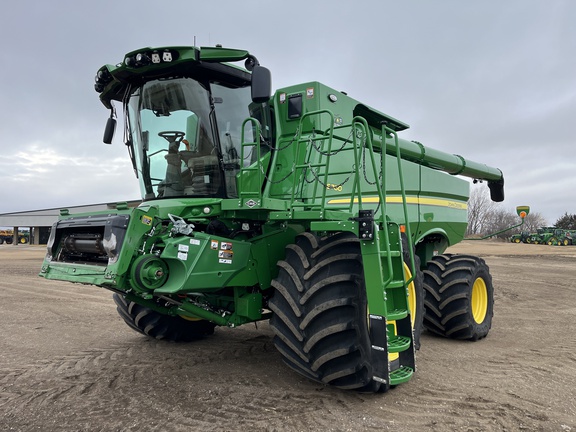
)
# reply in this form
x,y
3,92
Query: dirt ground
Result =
x,y
69,363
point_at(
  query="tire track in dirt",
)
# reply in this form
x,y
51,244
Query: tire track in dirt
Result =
x,y
484,400
91,379
101,376
461,411
58,292
143,357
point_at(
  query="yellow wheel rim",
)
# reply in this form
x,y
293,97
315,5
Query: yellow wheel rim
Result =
x,y
479,301
411,295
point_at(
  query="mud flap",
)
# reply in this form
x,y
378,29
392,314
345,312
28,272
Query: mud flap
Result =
x,y
379,347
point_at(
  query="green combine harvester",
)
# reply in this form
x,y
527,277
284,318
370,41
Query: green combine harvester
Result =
x,y
302,207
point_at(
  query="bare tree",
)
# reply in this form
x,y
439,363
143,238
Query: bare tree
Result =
x,y
486,217
498,220
532,222
479,206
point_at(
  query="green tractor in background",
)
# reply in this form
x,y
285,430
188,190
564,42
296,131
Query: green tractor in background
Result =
x,y
539,235
523,236
569,238
551,236
520,238
303,207
558,237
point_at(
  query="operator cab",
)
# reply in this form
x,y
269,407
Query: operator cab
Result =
x,y
187,137
184,121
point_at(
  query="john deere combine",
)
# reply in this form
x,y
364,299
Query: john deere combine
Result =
x,y
303,207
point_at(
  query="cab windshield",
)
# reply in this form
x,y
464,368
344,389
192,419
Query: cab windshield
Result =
x,y
186,137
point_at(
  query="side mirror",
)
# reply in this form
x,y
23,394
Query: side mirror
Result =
x,y
109,130
261,84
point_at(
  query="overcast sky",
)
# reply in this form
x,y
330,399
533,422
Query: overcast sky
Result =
x,y
491,80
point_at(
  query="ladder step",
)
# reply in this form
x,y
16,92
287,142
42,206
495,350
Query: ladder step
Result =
x,y
397,314
398,343
392,253
401,375
396,284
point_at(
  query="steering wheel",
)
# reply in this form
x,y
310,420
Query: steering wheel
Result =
x,y
172,136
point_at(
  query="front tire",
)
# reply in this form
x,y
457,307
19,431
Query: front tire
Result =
x,y
320,315
319,305
459,298
159,326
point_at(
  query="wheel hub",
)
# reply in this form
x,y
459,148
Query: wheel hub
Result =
x,y
479,301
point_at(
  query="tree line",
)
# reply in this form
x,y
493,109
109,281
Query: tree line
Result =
x,y
486,217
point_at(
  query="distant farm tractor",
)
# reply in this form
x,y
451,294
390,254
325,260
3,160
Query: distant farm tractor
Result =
x,y
520,238
7,236
559,237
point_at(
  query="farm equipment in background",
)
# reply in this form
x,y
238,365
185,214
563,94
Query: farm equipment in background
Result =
x,y
569,238
303,207
549,236
520,238
558,237
537,237
7,236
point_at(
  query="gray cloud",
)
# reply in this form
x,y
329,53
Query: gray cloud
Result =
x,y
492,81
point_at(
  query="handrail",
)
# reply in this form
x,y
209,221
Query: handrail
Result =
x,y
403,195
256,127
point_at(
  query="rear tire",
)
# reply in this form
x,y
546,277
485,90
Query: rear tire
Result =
x,y
416,293
459,297
159,326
